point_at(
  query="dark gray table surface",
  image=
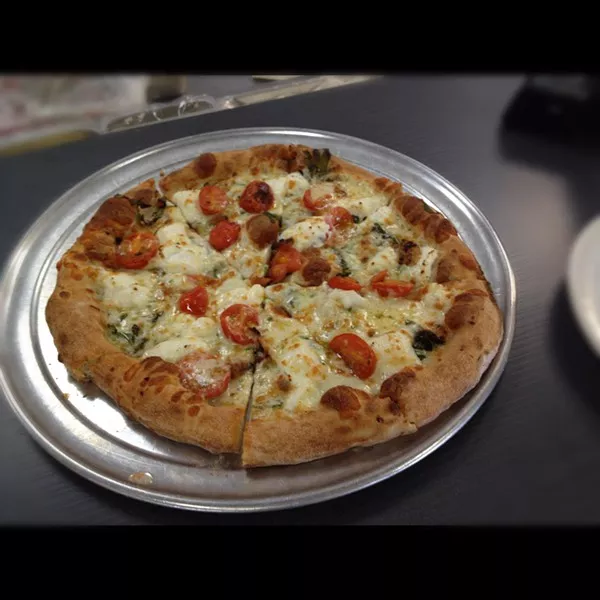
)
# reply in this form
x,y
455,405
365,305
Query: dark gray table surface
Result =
x,y
532,453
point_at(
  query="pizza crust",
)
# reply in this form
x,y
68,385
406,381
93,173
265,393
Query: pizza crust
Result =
x,y
150,390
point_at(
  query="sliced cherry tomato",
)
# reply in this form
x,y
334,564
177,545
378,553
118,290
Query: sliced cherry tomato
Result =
x,y
137,250
212,200
344,283
194,302
356,353
257,197
204,373
379,277
285,260
338,217
317,197
392,287
237,322
223,234
314,203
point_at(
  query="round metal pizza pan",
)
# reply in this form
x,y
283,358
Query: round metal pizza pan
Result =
x,y
82,428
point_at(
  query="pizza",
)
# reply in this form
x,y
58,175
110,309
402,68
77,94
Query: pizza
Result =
x,y
275,302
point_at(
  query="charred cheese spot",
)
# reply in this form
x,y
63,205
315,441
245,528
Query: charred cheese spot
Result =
x,y
444,271
344,399
316,271
409,253
394,386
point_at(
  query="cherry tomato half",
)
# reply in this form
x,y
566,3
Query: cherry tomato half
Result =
x,y
224,234
237,322
204,373
212,200
344,283
338,217
137,250
194,302
356,353
393,288
285,260
257,197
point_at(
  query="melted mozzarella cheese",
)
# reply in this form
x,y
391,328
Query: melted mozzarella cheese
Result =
x,y
394,352
434,305
422,270
327,312
286,188
187,201
243,294
266,393
178,324
363,207
178,282
384,216
348,299
174,349
180,254
129,290
310,233
173,215
244,255
385,260
289,346
391,220
302,360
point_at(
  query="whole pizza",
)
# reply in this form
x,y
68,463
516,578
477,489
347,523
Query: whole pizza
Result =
x,y
275,302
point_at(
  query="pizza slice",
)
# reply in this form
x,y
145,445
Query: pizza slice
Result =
x,y
346,369
155,316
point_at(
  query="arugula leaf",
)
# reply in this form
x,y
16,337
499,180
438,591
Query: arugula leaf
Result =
x,y
425,341
346,272
317,162
148,214
119,333
140,345
421,354
377,228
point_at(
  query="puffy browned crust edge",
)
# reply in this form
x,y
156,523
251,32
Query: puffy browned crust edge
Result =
x,y
474,332
212,167
280,438
149,391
